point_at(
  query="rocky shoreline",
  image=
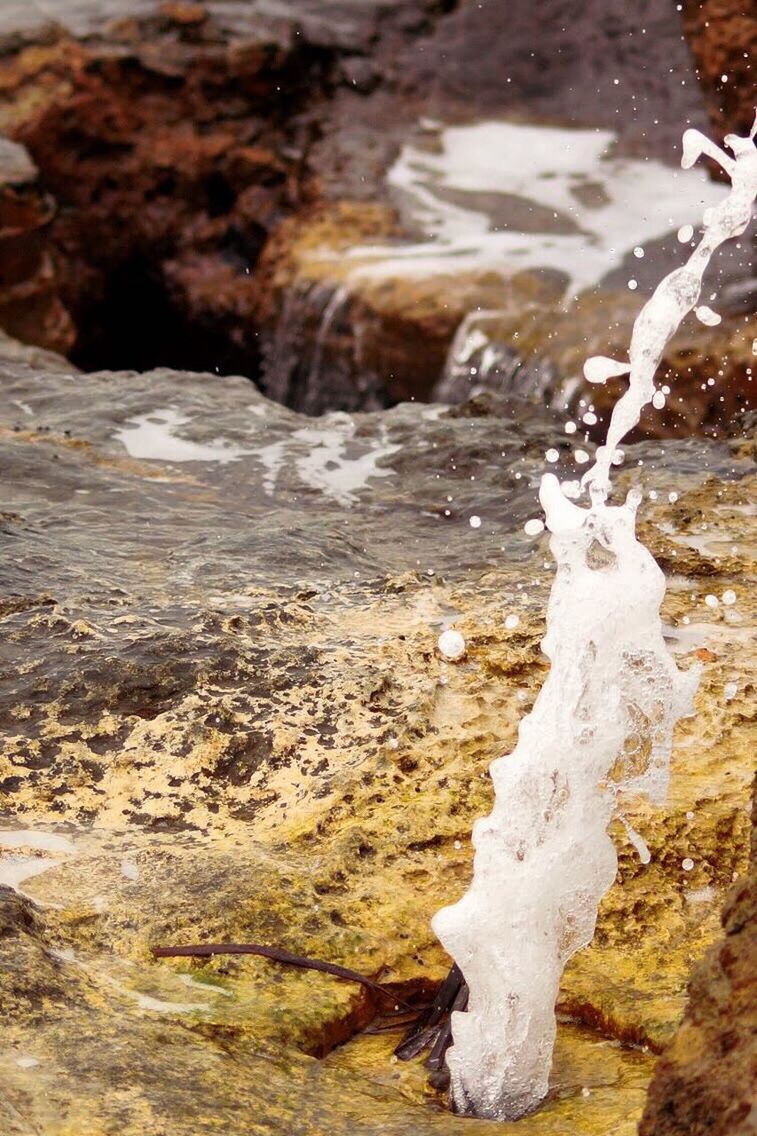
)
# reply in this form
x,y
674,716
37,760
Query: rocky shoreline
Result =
x,y
221,688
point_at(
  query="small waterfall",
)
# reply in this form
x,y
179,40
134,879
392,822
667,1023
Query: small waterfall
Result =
x,y
315,361
482,358
304,303
334,307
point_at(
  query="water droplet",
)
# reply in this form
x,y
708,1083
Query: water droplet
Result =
x,y
451,644
475,522
638,251
729,597
687,864
552,455
533,527
707,316
658,400
570,427
633,285
730,690
512,621
711,601
685,233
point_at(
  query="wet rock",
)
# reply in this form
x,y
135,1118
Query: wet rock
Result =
x,y
525,353
331,326
30,307
220,682
705,1079
719,34
179,140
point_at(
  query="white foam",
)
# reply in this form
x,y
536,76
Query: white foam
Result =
x,y
678,293
17,868
154,437
326,456
614,203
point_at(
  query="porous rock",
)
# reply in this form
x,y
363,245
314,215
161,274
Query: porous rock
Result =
x,y
220,683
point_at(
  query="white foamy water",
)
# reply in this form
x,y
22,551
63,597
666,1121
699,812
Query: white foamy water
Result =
x,y
601,729
154,437
326,456
678,293
604,205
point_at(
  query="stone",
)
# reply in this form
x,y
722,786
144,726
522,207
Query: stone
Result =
x,y
178,171
330,327
704,1081
30,305
220,685
719,32
537,355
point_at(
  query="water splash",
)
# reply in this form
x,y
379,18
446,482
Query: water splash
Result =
x,y
678,293
600,729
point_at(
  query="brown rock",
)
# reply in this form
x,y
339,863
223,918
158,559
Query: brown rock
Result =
x,y
30,308
184,13
722,35
705,1082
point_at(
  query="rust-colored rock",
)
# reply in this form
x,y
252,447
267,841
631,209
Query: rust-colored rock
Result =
x,y
30,308
722,35
706,1080
177,137
152,149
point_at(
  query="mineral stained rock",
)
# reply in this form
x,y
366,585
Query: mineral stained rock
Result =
x,y
224,718
722,34
30,307
704,1081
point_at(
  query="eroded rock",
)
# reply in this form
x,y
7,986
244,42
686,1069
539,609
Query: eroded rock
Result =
x,y
30,307
220,682
704,1080
181,140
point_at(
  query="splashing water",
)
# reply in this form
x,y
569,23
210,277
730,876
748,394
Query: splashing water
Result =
x,y
601,727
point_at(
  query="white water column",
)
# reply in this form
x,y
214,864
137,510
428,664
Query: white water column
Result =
x,y
602,725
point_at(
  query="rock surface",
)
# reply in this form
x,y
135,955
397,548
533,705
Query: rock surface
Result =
x,y
704,1081
186,144
30,307
225,718
722,34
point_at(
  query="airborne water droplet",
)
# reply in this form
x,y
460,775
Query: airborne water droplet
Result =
x,y
451,644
